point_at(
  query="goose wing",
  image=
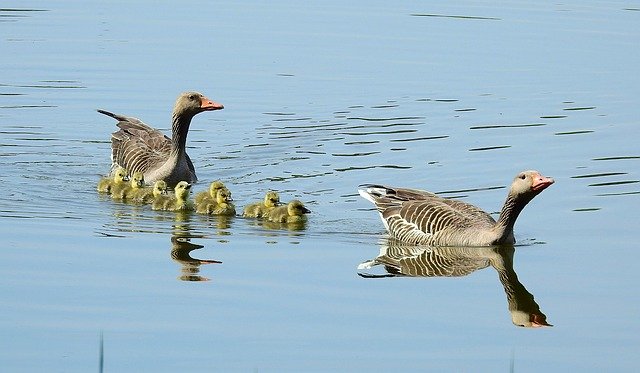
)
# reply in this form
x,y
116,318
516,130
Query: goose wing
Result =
x,y
137,146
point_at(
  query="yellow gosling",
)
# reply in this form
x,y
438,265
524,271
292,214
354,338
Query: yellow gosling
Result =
x,y
209,195
148,195
293,212
179,202
259,209
136,184
113,183
221,206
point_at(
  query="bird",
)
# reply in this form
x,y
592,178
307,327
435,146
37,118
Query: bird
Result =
x,y
139,147
113,183
146,195
423,218
209,195
221,206
179,202
292,212
160,195
259,209
136,185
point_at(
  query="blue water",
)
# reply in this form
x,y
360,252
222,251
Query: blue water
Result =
x,y
319,98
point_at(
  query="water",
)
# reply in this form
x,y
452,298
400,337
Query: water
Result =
x,y
319,98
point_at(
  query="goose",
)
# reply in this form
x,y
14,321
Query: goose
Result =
x,y
293,212
423,218
113,183
152,194
161,195
209,195
135,186
179,202
138,147
259,209
221,206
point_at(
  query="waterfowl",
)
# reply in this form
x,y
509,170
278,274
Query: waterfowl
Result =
x,y
221,206
138,147
152,194
423,218
293,212
136,185
113,183
179,202
259,209
209,195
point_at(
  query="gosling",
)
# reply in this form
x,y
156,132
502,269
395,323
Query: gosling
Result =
x,y
259,209
156,193
293,212
210,195
113,184
221,206
135,186
180,202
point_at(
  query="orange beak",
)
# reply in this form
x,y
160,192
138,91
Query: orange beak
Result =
x,y
540,183
209,105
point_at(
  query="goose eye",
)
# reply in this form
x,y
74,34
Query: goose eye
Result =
x,y
192,97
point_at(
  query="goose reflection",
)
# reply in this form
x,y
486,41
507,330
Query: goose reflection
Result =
x,y
420,261
181,248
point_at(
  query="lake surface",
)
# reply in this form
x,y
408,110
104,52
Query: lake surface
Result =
x,y
319,98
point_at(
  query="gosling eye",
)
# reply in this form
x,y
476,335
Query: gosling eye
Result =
x,y
523,176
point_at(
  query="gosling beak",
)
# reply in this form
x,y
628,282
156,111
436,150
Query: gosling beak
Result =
x,y
187,187
540,183
208,105
305,210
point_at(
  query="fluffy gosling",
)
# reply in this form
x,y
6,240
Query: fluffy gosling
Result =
x,y
111,184
259,209
179,202
293,212
221,206
209,195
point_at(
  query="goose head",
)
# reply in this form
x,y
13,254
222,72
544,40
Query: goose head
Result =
x,y
271,199
192,103
528,184
296,208
159,188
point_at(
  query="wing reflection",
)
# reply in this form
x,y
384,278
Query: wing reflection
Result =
x,y
399,259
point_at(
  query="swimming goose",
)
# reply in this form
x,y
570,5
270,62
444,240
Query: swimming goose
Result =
x,y
221,206
293,212
160,195
147,195
179,202
130,191
259,209
209,195
113,183
138,147
423,218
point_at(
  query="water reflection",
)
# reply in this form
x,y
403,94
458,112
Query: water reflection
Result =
x,y
181,248
420,261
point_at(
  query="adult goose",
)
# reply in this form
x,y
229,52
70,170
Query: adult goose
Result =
x,y
423,218
138,147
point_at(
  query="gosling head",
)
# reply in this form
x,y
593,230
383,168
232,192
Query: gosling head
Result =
x,y
223,196
271,199
159,188
296,208
137,180
214,187
182,190
120,175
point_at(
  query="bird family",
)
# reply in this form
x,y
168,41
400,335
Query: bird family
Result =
x,y
143,155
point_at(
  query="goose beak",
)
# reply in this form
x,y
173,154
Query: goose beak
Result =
x,y
208,105
187,187
540,183
306,210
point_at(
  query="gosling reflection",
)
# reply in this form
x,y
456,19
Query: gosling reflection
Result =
x,y
181,249
420,261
